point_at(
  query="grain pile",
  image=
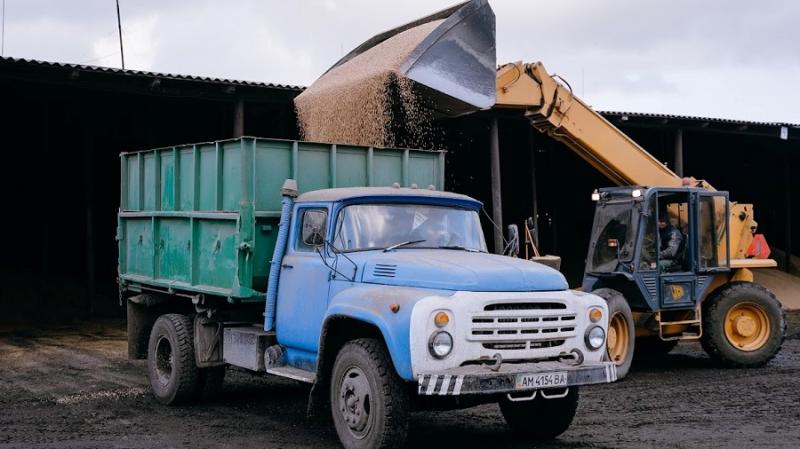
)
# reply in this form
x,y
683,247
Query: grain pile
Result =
x,y
366,102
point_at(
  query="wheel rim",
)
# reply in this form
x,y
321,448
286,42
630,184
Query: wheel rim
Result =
x,y
355,404
163,360
618,338
747,326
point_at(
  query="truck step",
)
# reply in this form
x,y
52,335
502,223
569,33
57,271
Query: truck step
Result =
x,y
293,373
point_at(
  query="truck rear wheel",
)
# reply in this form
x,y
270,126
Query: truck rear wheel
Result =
x,y
368,402
743,325
620,341
540,418
173,373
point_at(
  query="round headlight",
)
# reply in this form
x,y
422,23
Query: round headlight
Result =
x,y
440,344
595,337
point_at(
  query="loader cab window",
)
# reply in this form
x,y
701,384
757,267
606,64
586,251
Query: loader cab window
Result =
x,y
671,232
312,232
713,247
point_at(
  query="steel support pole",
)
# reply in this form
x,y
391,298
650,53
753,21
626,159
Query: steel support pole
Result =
x,y
679,152
238,118
788,212
497,204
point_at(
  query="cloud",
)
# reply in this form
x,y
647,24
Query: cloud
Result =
x,y
727,58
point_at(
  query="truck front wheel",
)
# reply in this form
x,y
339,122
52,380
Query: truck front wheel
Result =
x,y
540,418
368,402
171,366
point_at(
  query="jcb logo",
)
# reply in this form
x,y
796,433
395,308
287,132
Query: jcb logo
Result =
x,y
677,292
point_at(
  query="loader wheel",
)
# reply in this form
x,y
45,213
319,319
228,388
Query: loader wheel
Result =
x,y
620,341
540,418
368,402
743,325
174,377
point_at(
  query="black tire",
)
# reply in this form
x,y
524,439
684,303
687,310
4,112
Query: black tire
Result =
x,y
617,305
715,309
368,402
209,383
653,347
540,418
171,366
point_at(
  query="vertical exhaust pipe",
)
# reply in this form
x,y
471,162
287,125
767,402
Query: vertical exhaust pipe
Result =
x,y
288,193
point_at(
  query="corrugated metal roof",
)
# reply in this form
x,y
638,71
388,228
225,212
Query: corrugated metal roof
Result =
x,y
696,118
114,70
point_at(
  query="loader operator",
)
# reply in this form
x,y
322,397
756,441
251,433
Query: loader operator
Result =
x,y
670,254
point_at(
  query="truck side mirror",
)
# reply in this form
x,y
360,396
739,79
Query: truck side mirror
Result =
x,y
513,240
314,227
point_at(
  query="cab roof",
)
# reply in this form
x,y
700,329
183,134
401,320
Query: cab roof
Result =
x,y
389,194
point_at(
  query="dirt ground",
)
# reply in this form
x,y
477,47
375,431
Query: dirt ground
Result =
x,y
72,387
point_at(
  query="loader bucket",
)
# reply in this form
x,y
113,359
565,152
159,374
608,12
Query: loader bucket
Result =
x,y
453,68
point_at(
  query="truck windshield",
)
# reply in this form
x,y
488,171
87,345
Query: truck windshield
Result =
x,y
612,237
363,227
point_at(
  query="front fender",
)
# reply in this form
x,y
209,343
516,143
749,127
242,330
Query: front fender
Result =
x,y
371,304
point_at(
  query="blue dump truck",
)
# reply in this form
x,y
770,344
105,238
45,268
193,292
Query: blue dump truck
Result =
x,y
383,298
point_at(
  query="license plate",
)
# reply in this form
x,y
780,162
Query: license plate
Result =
x,y
541,380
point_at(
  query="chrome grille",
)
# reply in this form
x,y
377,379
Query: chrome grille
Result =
x,y
522,325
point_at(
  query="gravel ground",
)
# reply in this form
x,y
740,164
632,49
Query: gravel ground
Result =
x,y
73,387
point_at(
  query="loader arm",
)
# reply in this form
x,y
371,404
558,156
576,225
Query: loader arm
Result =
x,y
553,109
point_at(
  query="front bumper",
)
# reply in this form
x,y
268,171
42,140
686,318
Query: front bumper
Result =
x,y
481,379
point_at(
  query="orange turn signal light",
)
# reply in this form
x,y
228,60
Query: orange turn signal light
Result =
x,y
441,319
595,315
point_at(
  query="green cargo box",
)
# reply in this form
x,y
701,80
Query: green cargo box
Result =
x,y
202,218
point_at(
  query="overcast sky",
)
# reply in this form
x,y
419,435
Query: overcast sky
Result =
x,y
720,58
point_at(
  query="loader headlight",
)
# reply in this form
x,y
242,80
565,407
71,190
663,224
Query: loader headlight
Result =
x,y
440,344
595,337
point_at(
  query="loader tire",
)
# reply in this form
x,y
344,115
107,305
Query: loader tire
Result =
x,y
540,418
743,325
171,367
620,340
368,402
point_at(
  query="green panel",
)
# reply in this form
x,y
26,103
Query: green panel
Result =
x,y
387,168
167,180
133,182
208,177
174,249
423,169
231,175
266,230
314,167
139,246
186,178
215,263
149,181
351,166
273,161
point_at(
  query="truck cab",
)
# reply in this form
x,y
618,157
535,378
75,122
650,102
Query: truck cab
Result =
x,y
386,300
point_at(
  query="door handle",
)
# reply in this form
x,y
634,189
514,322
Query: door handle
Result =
x,y
286,265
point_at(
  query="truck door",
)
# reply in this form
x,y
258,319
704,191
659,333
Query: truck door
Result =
x,y
713,252
303,287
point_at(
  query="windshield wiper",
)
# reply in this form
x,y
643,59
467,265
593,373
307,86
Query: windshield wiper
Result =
x,y
462,248
398,245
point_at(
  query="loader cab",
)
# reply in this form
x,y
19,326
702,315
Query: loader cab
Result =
x,y
661,246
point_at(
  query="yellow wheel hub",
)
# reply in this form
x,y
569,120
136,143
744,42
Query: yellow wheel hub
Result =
x,y
618,338
747,326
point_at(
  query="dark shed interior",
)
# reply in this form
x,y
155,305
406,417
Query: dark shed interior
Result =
x,y
63,126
